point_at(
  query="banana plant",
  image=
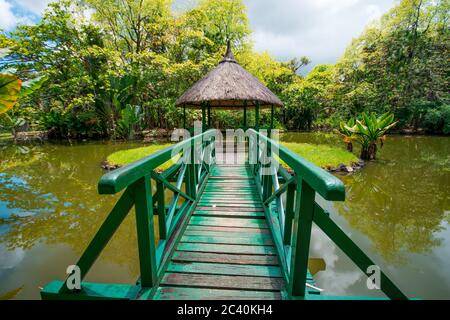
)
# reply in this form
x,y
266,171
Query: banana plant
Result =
x,y
371,130
12,88
347,136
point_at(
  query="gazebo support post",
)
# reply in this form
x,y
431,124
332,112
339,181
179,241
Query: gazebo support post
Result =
x,y
203,117
271,122
245,115
257,116
209,115
184,116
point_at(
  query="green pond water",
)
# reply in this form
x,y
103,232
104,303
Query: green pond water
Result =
x,y
397,210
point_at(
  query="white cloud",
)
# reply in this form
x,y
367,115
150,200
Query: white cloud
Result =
x,y
319,29
35,6
9,18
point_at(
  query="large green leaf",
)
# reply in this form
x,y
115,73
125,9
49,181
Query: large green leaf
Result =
x,y
28,87
9,91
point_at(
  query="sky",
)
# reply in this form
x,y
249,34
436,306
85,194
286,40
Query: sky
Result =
x,y
318,29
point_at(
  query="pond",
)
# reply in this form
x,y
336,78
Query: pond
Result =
x,y
397,211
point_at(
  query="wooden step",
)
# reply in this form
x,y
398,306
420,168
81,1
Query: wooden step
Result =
x,y
245,259
222,282
181,293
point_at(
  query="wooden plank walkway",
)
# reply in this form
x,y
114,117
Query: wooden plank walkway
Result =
x,y
227,250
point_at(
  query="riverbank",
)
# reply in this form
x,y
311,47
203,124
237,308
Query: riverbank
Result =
x,y
330,158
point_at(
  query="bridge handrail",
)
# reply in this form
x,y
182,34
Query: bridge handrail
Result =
x,y
137,179
291,222
327,185
117,180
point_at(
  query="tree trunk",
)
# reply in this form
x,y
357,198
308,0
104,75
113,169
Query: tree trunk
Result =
x,y
350,147
370,152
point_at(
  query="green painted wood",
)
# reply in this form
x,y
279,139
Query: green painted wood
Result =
x,y
303,217
227,229
222,281
245,259
235,204
171,187
230,214
145,232
339,237
90,291
228,201
117,180
203,117
226,248
289,214
180,293
229,208
245,116
257,105
327,185
104,234
161,210
230,191
278,192
229,234
209,115
230,198
225,269
271,120
228,222
352,298
244,240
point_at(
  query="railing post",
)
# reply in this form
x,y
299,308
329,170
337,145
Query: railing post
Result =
x,y
161,210
191,173
289,216
303,217
145,231
267,178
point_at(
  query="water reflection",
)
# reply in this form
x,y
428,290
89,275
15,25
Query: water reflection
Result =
x,y
400,200
397,210
48,200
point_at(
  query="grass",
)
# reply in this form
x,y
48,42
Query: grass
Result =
x,y
322,155
124,157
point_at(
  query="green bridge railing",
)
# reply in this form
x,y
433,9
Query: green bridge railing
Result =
x,y
137,180
145,188
291,223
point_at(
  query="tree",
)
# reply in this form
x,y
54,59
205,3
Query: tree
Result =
x,y
399,64
369,131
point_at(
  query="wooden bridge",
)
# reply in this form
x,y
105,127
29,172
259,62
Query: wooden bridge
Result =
x,y
230,231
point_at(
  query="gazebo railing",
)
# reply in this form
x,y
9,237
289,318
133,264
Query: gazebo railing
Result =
x,y
291,222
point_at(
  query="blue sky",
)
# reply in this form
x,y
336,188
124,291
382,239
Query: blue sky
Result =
x,y
319,29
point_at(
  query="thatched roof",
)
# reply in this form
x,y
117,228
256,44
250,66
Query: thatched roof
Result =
x,y
228,86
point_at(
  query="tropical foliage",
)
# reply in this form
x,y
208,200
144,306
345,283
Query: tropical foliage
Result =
x,y
368,132
119,69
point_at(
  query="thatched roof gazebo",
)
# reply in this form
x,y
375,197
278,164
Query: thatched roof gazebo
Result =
x,y
229,86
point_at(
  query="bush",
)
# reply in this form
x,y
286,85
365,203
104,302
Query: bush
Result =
x,y
437,120
71,125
